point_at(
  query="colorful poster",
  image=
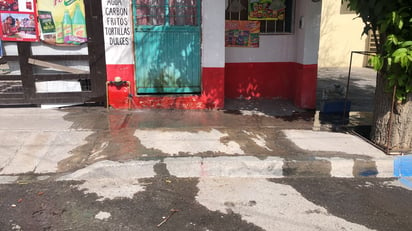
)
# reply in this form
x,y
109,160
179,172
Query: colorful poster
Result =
x,y
266,10
18,20
17,5
242,33
62,22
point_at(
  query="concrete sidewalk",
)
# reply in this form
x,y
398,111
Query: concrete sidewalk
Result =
x,y
266,138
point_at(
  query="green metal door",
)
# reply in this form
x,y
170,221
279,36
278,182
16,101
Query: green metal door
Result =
x,y
167,46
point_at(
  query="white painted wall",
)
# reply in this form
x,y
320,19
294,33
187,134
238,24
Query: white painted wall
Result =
x,y
300,46
339,35
307,27
272,48
213,33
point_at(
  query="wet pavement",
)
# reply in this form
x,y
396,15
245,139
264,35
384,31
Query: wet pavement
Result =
x,y
256,165
267,132
67,139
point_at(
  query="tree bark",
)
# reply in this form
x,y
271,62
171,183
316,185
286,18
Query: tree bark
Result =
x,y
391,130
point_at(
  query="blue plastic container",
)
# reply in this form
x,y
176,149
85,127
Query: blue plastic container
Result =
x,y
335,106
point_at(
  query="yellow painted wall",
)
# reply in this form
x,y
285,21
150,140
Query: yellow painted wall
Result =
x,y
339,35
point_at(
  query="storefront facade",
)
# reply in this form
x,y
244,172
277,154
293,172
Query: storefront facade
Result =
x,y
176,56
173,54
171,59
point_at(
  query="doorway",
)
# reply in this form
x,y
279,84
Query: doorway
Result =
x,y
167,46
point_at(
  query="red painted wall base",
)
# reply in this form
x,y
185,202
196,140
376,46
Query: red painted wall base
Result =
x,y
305,86
291,81
211,97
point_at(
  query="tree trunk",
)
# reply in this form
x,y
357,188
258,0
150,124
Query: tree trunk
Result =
x,y
392,131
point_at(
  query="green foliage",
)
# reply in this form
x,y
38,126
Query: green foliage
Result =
x,y
393,20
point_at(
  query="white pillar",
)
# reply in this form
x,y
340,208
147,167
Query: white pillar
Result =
x,y
307,29
213,33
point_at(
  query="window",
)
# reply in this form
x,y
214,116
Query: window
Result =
x,y
275,16
167,12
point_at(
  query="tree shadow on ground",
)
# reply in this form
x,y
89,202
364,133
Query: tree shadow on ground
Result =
x,y
278,108
361,94
361,86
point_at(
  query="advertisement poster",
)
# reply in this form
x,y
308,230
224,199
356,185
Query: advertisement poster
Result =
x,y
18,20
266,10
62,22
242,33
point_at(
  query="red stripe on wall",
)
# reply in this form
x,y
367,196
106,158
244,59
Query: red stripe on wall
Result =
x,y
306,83
293,81
212,95
213,87
287,80
259,80
118,96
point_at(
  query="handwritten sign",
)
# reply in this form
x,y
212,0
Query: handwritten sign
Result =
x,y
116,17
117,28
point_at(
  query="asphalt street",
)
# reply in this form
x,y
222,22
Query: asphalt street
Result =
x,y
220,203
